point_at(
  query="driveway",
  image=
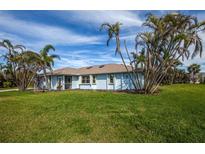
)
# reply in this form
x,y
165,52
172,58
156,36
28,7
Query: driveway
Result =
x,y
6,90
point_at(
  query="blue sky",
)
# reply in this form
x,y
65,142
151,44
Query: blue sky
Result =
x,y
76,35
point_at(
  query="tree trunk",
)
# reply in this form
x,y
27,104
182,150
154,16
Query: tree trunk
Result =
x,y
133,71
123,61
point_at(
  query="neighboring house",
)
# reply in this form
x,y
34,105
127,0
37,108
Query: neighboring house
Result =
x,y
202,77
99,77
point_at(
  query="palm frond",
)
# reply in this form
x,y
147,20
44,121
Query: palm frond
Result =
x,y
104,26
46,49
198,47
55,56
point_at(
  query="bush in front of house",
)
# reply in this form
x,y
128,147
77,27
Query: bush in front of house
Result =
x,y
7,84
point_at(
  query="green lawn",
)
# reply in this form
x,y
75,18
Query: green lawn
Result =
x,y
177,114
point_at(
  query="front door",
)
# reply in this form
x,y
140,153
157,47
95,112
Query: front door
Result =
x,y
59,82
68,82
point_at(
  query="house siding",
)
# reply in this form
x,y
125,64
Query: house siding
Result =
x,y
101,81
75,82
118,81
122,81
53,82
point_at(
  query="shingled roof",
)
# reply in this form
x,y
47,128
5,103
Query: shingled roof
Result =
x,y
97,69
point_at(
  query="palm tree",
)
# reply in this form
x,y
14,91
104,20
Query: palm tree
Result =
x,y
21,65
193,70
28,66
113,30
170,39
47,61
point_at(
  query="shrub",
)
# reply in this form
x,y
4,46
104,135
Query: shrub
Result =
x,y
7,84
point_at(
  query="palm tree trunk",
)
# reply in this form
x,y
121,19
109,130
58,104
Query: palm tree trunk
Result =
x,y
127,70
136,74
123,61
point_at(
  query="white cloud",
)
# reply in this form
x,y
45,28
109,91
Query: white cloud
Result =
x,y
44,33
96,18
40,34
80,58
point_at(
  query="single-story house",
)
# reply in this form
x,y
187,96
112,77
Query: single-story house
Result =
x,y
98,77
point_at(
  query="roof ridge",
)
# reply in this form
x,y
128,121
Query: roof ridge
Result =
x,y
64,68
100,65
94,69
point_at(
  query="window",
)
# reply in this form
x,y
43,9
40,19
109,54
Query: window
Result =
x,y
111,79
94,79
59,85
68,82
86,79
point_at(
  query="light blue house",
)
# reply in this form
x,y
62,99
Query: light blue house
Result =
x,y
98,77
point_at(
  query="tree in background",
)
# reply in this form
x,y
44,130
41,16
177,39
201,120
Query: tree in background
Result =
x,y
178,76
6,79
181,76
193,70
172,73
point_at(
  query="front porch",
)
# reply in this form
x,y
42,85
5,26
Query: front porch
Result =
x,y
60,82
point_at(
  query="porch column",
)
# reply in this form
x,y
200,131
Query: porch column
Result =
x,y
79,81
91,77
49,83
63,82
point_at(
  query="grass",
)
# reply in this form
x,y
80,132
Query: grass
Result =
x,y
177,114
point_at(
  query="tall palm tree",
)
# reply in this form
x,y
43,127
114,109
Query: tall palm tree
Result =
x,y
113,31
47,60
